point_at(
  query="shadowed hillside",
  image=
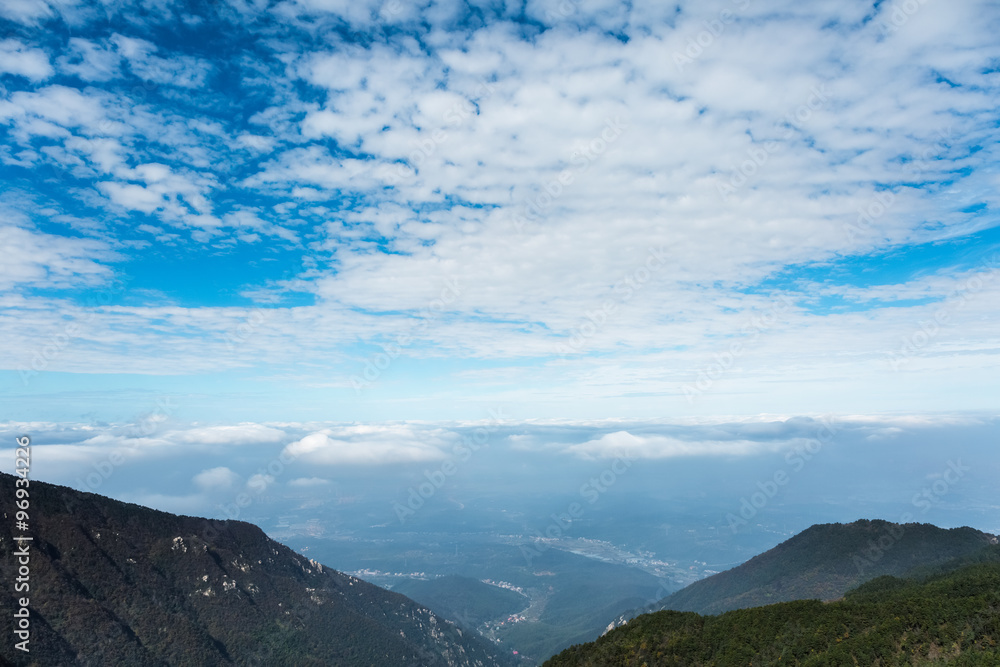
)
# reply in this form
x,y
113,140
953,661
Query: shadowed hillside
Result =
x,y
119,584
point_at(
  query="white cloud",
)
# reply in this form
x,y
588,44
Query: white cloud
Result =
x,y
177,70
238,434
22,60
175,196
134,197
626,445
59,105
315,166
256,142
90,60
216,479
124,457
259,482
27,12
252,220
48,260
399,165
368,445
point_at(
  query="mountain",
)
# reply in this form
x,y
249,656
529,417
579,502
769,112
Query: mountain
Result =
x,y
948,618
113,583
825,561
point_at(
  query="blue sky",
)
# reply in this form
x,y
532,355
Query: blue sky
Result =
x,y
369,211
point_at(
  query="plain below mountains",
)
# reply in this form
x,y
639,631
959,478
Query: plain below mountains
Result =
x,y
113,583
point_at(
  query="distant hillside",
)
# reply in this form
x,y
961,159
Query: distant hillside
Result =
x,y
951,618
119,584
825,561
464,600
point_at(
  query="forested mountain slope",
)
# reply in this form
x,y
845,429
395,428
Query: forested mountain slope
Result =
x,y
113,583
951,618
824,561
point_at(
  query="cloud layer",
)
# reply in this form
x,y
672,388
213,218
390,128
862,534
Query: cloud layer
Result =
x,y
206,470
702,203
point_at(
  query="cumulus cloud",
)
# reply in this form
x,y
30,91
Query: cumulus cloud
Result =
x,y
216,479
367,446
21,60
52,111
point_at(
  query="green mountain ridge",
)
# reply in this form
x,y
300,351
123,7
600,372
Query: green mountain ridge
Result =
x,y
952,618
825,561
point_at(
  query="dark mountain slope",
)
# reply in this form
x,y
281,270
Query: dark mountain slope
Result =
x,y
951,618
120,584
824,561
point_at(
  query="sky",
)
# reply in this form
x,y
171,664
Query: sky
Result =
x,y
324,212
